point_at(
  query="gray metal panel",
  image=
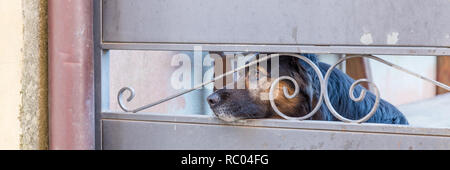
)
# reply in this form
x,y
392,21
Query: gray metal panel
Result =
x,y
155,131
300,22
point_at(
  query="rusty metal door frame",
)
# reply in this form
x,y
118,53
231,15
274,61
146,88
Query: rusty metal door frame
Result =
x,y
71,75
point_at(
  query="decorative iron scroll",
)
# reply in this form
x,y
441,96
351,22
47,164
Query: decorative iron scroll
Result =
x,y
323,96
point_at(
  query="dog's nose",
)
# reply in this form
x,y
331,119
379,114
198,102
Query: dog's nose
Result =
x,y
213,99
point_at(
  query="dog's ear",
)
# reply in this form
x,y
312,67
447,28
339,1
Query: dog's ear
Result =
x,y
302,77
293,62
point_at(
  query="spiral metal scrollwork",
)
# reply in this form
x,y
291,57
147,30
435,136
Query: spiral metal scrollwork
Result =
x,y
290,96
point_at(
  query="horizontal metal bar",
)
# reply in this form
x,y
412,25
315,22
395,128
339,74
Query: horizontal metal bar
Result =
x,y
126,134
375,50
279,123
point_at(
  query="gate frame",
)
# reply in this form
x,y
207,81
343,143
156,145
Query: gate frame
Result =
x,y
145,121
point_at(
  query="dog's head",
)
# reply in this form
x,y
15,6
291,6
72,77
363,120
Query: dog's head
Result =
x,y
247,97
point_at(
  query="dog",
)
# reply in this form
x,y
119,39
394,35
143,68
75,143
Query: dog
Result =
x,y
232,104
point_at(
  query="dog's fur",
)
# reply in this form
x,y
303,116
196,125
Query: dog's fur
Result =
x,y
232,104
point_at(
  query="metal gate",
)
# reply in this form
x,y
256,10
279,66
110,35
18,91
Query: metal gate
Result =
x,y
295,26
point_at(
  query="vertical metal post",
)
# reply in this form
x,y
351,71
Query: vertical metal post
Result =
x,y
443,72
71,74
101,69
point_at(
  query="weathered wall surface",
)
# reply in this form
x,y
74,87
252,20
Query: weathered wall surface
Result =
x,y
23,71
33,112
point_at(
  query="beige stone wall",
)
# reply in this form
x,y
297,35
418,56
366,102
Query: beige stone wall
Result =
x,y
11,42
33,115
23,73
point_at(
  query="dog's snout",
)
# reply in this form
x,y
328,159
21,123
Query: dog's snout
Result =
x,y
213,99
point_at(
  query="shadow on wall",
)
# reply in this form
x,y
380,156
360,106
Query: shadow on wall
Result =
x,y
434,112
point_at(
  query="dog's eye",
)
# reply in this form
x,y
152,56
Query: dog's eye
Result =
x,y
262,73
253,73
256,74
239,74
